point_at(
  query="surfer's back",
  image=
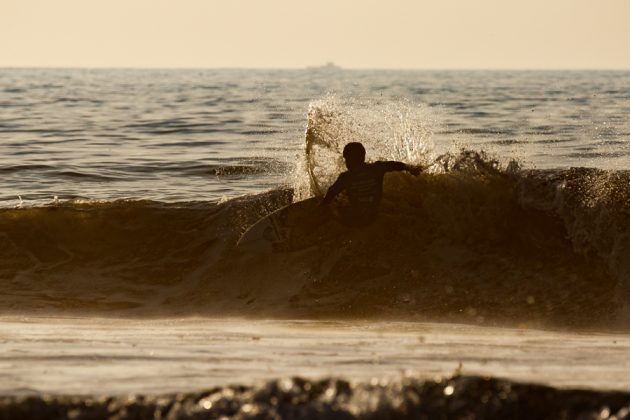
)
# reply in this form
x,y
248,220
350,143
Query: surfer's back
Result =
x,y
363,185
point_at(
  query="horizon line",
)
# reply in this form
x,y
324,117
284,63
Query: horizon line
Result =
x,y
328,67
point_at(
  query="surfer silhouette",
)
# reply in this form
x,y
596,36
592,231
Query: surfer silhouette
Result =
x,y
363,185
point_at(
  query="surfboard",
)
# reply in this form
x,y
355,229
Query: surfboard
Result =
x,y
294,227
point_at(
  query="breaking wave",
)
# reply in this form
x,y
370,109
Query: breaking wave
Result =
x,y
470,239
470,243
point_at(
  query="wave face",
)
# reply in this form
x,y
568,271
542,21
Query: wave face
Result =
x,y
475,243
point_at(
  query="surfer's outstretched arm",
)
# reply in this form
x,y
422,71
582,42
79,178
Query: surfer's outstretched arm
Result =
x,y
394,166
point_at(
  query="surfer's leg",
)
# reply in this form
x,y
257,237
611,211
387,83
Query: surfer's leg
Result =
x,y
352,219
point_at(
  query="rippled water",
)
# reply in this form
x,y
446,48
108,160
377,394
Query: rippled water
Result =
x,y
174,135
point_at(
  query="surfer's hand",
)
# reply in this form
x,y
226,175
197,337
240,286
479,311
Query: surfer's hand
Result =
x,y
414,170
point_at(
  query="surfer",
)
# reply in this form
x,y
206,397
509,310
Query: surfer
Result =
x,y
363,185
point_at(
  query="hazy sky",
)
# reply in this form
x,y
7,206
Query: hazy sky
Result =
x,y
297,33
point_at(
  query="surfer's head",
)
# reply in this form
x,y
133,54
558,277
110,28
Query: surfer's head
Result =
x,y
354,154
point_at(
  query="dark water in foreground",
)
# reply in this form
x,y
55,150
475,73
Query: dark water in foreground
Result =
x,y
451,398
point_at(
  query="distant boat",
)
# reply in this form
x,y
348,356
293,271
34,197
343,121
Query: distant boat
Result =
x,y
327,68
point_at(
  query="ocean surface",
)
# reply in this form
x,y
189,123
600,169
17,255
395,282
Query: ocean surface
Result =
x,y
123,194
185,135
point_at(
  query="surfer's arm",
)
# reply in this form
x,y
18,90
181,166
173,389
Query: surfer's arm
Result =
x,y
393,166
334,190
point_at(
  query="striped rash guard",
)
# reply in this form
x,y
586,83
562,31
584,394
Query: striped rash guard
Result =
x,y
364,187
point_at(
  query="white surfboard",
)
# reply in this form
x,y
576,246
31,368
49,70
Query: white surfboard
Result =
x,y
296,226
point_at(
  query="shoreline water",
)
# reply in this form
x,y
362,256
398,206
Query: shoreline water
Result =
x,y
207,368
95,356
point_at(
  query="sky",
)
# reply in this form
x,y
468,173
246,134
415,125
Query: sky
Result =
x,y
395,34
